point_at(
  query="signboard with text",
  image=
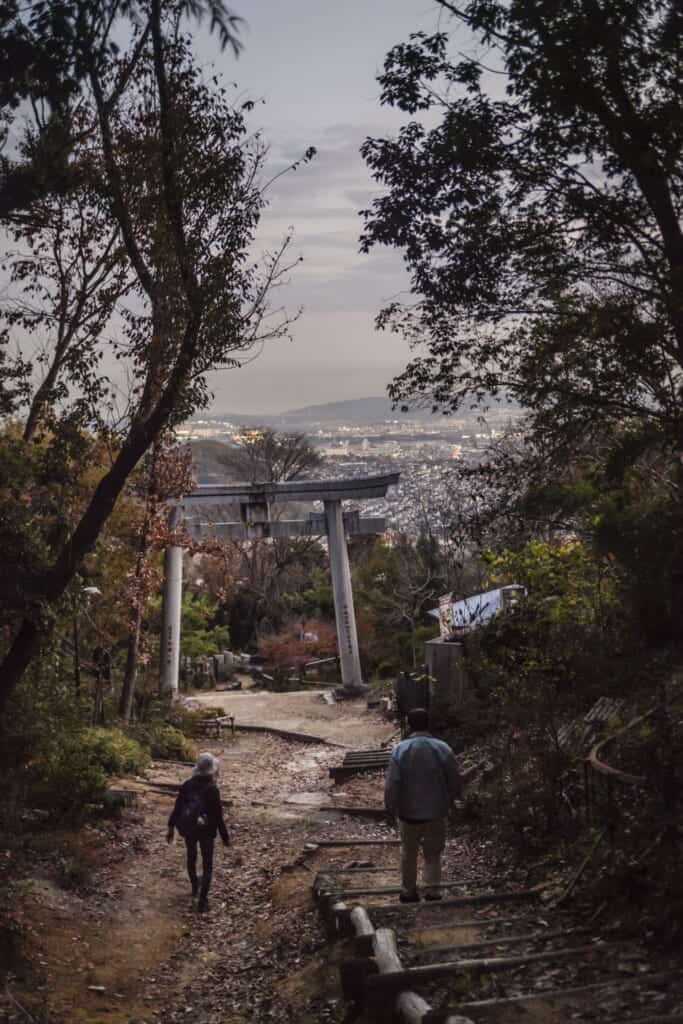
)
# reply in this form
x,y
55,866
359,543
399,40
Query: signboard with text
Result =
x,y
446,615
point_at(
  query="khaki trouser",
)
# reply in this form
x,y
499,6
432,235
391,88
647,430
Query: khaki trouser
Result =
x,y
431,836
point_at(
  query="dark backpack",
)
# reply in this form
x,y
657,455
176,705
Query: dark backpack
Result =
x,y
192,814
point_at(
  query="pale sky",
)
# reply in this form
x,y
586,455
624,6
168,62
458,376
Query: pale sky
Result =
x,y
314,64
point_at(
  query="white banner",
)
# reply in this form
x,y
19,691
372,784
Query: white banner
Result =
x,y
446,615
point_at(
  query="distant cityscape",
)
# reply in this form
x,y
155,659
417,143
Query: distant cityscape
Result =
x,y
422,448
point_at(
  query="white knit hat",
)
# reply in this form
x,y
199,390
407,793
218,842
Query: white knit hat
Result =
x,y
206,764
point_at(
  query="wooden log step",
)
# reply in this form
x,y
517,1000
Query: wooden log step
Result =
x,y
359,871
658,1018
360,812
502,940
475,899
381,890
408,976
366,762
168,789
339,919
161,787
411,1007
346,772
360,919
473,922
169,760
329,843
364,755
621,983
355,761
364,931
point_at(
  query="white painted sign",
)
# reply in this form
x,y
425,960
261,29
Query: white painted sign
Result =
x,y
446,615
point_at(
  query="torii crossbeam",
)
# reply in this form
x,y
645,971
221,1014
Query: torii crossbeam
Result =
x,y
204,513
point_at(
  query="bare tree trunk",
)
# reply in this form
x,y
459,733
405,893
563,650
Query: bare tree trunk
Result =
x,y
412,642
98,705
28,638
77,655
24,647
42,395
131,670
36,409
676,581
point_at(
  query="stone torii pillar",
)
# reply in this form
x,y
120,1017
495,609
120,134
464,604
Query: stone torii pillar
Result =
x,y
215,502
171,612
347,634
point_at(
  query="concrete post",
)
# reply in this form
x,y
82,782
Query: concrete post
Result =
x,y
172,604
347,636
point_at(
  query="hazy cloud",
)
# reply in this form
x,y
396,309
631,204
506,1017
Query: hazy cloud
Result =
x,y
315,63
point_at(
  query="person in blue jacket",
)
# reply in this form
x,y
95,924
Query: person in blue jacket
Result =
x,y
421,783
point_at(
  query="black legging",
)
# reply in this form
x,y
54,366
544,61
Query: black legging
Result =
x,y
206,846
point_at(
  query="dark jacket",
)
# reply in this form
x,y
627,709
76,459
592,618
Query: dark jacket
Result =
x,y
210,805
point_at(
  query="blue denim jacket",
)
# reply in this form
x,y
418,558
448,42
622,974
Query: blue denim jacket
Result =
x,y
422,779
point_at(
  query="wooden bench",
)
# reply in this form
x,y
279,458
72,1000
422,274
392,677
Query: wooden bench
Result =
x,y
213,726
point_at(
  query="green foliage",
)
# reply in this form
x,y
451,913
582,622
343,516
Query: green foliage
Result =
x,y
201,638
395,585
619,493
70,770
534,667
166,741
167,212
546,654
50,757
399,649
578,585
117,752
65,777
479,197
315,598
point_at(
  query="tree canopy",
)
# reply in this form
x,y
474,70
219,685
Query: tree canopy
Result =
x,y
536,194
144,263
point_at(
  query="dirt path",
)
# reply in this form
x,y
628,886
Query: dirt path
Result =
x,y
350,723
123,946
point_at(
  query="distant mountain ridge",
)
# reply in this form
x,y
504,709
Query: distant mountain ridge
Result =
x,y
374,409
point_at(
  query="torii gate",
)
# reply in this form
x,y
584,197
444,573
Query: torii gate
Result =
x,y
255,501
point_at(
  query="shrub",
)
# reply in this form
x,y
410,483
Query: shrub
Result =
x,y
70,770
167,741
65,777
297,644
116,752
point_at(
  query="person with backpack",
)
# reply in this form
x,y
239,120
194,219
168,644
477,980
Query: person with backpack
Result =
x,y
421,783
198,816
